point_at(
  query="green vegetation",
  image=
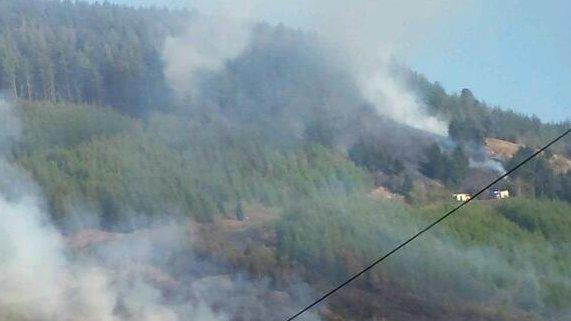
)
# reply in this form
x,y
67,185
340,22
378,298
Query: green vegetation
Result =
x,y
472,119
371,155
103,53
450,169
483,254
276,131
501,260
538,179
167,165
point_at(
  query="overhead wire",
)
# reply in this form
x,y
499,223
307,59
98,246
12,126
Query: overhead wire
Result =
x,y
425,229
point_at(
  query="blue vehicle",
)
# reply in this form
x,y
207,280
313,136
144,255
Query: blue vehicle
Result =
x,y
496,193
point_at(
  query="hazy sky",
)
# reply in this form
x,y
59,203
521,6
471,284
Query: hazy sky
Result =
x,y
516,54
511,53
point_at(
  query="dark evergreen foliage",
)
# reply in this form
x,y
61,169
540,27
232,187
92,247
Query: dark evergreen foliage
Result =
x,y
449,168
370,154
240,212
538,179
92,53
471,119
258,143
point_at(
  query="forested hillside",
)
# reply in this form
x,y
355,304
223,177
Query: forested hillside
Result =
x,y
315,202
101,54
57,51
473,119
273,180
167,166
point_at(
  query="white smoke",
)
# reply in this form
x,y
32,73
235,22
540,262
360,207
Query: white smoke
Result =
x,y
393,100
373,33
102,276
488,163
369,32
32,267
37,280
205,46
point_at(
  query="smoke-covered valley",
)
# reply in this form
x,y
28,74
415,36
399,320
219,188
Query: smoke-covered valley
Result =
x,y
172,165
89,274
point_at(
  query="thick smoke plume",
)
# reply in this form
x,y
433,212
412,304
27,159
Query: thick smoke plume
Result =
x,y
372,33
393,100
205,46
147,275
490,164
367,33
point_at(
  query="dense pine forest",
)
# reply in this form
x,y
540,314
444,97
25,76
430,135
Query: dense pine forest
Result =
x,y
280,171
100,54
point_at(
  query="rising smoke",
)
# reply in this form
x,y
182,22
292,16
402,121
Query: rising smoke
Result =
x,y
365,33
153,274
147,275
205,46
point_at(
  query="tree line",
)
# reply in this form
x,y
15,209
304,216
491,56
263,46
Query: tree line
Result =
x,y
472,119
101,54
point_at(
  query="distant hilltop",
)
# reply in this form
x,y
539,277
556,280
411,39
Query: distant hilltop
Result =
x,y
504,150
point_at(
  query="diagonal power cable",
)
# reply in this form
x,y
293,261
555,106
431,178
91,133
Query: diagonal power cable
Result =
x,y
431,225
